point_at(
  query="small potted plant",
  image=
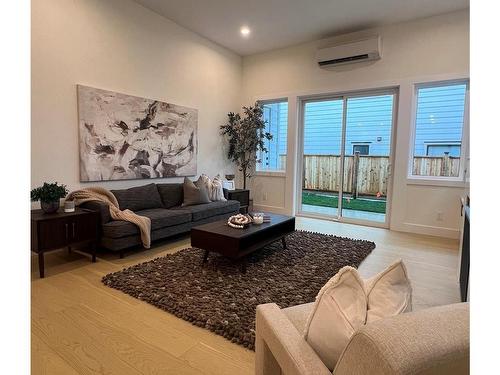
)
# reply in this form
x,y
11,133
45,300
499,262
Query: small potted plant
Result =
x,y
49,196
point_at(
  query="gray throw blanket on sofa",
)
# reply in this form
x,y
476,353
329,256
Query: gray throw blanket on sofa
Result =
x,y
105,196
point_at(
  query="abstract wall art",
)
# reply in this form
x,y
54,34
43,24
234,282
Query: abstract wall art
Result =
x,y
128,137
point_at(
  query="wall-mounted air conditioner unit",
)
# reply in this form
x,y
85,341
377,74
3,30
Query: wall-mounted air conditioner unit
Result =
x,y
347,53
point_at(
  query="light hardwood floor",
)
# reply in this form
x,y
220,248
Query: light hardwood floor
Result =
x,y
79,326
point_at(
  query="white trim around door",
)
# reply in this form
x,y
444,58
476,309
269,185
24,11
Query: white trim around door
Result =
x,y
394,91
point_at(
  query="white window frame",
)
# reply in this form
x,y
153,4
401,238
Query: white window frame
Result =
x,y
464,143
271,172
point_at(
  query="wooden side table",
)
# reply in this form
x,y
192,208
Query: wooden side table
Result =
x,y
240,195
60,229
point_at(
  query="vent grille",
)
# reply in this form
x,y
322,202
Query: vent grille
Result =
x,y
344,59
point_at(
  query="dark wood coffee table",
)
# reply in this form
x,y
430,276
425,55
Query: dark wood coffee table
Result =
x,y
236,243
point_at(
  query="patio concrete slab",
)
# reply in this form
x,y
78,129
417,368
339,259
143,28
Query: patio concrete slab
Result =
x,y
351,214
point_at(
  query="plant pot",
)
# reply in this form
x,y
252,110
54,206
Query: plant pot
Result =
x,y
50,207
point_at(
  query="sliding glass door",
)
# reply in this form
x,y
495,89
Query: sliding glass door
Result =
x,y
347,144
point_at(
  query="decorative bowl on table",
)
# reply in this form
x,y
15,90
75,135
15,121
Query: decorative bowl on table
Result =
x,y
239,221
229,177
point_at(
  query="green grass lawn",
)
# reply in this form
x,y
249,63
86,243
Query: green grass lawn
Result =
x,y
354,204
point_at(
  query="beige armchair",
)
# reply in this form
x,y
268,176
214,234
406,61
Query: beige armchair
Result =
x,y
431,341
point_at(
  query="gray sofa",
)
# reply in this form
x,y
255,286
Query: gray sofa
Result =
x,y
162,204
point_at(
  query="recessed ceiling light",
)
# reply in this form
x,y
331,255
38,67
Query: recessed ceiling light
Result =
x,y
245,31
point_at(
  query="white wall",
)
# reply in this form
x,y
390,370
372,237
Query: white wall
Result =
x,y
121,46
426,49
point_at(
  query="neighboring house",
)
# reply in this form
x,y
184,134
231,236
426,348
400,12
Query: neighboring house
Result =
x,y
368,126
439,121
276,115
440,115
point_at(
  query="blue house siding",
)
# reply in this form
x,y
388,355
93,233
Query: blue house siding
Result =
x,y
322,127
276,117
368,123
439,122
283,128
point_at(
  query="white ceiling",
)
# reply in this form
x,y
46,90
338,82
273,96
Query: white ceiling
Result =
x,y
280,23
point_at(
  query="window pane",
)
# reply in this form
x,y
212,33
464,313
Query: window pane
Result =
x,y
368,130
440,150
362,149
276,116
321,165
369,125
323,127
438,132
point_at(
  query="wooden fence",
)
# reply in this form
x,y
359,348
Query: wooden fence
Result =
x,y
366,174
447,166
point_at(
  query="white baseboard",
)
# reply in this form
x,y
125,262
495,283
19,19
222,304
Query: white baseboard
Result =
x,y
404,227
273,209
428,230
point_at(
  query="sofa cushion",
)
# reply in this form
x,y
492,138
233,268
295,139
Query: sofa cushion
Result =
x,y
203,211
160,218
171,194
117,244
428,342
138,198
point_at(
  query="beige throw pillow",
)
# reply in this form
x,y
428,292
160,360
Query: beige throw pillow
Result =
x,y
346,302
388,293
206,182
194,192
340,309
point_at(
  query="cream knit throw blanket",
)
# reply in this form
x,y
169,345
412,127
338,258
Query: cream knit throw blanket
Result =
x,y
105,196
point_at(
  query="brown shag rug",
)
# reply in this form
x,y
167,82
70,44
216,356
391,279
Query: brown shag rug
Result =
x,y
220,298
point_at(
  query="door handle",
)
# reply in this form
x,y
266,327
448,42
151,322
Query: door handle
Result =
x,y
73,230
67,231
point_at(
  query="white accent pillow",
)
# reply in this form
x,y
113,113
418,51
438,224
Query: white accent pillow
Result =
x,y
347,302
214,187
340,309
388,293
217,191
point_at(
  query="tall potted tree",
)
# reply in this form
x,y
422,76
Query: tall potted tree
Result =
x,y
246,135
